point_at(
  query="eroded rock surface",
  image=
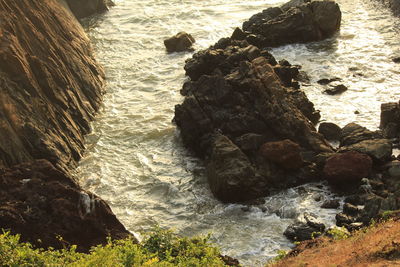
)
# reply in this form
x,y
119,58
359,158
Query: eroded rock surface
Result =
x,y
40,202
50,89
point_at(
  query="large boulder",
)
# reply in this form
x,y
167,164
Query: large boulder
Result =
x,y
347,169
378,149
182,41
230,173
41,203
390,119
296,22
286,153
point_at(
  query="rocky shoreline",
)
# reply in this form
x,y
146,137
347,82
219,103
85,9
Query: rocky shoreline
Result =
x,y
51,88
245,114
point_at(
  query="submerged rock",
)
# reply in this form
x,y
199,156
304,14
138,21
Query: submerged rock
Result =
x,y
336,89
182,41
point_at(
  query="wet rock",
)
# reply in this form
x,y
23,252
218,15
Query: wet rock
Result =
x,y
379,149
238,34
87,8
326,81
336,89
353,133
286,153
330,130
350,209
331,204
301,23
230,174
182,41
390,119
347,169
40,202
301,231
396,59
343,219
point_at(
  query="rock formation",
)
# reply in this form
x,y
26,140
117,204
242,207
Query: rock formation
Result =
x,y
182,41
50,88
240,105
87,8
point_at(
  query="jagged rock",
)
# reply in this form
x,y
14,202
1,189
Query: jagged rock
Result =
x,y
331,204
379,149
286,153
390,119
330,130
302,22
40,202
301,231
353,133
347,169
230,174
182,41
86,8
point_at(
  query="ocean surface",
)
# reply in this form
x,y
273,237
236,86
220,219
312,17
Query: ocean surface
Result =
x,y
135,159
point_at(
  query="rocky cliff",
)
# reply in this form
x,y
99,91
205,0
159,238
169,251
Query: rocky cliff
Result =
x,y
50,87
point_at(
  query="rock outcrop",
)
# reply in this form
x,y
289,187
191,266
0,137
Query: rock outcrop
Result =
x,y
294,22
50,89
238,101
42,203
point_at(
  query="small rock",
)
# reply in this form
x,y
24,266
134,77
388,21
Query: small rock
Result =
x,y
337,89
238,34
331,204
350,209
182,41
326,81
396,59
330,130
301,231
347,168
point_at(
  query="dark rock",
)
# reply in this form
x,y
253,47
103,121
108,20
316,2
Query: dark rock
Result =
x,y
336,89
347,169
40,202
344,219
301,23
330,130
331,204
371,208
238,34
286,153
350,209
230,174
396,59
182,41
378,149
355,200
326,81
250,141
87,8
353,133
229,261
301,231
390,119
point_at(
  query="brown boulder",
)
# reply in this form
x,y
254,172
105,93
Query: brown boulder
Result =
x,y
347,168
182,41
286,153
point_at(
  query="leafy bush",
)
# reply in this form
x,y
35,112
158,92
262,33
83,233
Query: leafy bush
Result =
x,y
160,248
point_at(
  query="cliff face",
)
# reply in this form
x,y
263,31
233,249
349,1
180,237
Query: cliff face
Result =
x,y
50,89
50,84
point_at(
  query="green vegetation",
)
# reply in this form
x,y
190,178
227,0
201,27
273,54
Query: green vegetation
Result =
x,y
338,233
159,248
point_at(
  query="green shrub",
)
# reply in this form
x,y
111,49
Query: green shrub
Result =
x,y
159,248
